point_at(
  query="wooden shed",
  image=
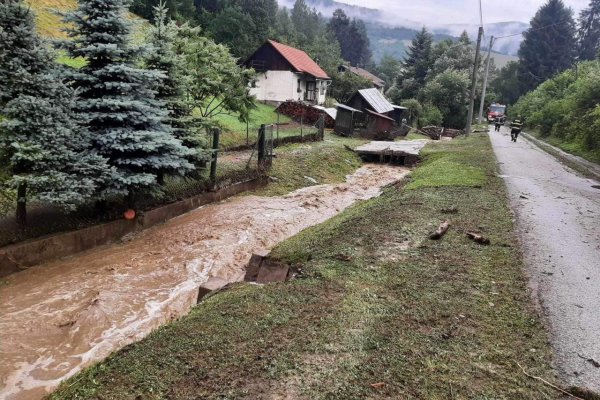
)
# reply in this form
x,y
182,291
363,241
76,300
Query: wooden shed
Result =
x,y
345,120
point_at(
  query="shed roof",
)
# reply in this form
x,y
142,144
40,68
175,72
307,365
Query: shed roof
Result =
x,y
348,108
379,115
399,107
376,100
377,81
299,60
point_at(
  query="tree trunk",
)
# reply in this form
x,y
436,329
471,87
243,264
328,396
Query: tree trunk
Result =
x,y
22,204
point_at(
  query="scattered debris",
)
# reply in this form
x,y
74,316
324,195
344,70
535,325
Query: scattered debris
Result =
x,y
261,269
524,197
210,287
549,384
478,238
436,132
343,257
583,393
312,180
377,385
450,210
590,360
440,231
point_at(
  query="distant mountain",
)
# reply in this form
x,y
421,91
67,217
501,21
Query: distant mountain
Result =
x,y
394,38
508,45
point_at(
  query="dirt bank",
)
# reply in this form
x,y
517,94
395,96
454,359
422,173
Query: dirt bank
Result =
x,y
63,316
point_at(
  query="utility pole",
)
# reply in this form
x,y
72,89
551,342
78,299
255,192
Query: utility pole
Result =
x,y
474,83
485,80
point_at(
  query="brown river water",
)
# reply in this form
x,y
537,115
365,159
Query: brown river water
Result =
x,y
60,317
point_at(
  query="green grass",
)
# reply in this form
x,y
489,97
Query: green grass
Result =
x,y
234,131
575,148
71,62
376,302
449,164
326,162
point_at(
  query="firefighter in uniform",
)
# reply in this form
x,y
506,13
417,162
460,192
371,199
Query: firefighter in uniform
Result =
x,y
515,128
498,123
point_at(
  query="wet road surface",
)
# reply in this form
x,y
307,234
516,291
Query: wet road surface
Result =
x,y
63,316
558,218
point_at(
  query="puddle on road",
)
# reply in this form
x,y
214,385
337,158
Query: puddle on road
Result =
x,y
65,315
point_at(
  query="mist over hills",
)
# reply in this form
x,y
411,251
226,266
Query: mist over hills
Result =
x,y
392,34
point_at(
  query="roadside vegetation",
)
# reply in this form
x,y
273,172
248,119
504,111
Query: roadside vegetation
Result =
x,y
377,311
564,110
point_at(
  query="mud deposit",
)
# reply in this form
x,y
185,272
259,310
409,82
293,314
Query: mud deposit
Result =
x,y
61,317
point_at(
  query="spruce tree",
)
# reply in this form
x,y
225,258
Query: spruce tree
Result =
x,y
418,57
46,153
589,32
415,68
117,100
549,45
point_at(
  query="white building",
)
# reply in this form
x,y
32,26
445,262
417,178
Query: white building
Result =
x,y
286,73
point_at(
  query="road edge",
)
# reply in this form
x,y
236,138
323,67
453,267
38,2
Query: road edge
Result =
x,y
582,166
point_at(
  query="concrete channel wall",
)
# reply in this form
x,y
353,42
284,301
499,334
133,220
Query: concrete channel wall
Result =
x,y
17,257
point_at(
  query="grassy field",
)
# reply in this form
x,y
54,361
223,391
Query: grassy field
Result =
x,y
378,311
234,131
326,162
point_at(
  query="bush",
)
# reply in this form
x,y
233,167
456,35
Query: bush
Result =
x,y
431,116
566,108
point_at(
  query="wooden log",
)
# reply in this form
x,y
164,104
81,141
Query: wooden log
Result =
x,y
477,238
440,231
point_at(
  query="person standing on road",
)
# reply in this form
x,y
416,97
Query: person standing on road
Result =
x,y
498,123
515,128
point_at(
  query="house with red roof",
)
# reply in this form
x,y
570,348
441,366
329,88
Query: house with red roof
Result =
x,y
286,73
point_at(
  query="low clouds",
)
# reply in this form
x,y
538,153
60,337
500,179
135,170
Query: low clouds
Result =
x,y
435,13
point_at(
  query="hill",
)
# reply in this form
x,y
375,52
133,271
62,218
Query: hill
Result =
x,y
48,23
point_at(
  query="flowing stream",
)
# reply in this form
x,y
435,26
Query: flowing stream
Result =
x,y
60,317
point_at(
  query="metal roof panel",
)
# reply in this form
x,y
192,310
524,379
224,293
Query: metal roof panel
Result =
x,y
376,100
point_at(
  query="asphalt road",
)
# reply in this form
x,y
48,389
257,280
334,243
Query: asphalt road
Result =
x,y
558,220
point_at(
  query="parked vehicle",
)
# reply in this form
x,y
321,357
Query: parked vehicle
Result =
x,y
496,111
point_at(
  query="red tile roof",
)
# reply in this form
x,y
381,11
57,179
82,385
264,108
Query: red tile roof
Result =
x,y
299,60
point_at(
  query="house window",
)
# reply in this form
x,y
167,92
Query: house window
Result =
x,y
299,90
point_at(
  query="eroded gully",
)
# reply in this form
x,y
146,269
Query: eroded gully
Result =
x,y
63,316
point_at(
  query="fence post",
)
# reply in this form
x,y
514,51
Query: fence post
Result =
x,y
247,134
215,152
278,125
301,125
261,146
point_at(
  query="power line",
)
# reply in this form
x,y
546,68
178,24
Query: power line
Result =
x,y
529,30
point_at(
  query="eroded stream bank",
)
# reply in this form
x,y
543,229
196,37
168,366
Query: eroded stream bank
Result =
x,y
63,316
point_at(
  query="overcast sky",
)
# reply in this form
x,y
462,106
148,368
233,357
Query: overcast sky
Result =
x,y
433,12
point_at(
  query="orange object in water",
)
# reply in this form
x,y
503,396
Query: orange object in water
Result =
x,y
129,214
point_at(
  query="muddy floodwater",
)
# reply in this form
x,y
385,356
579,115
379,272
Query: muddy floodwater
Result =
x,y
63,316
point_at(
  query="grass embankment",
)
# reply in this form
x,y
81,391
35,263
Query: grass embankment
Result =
x,y
234,131
575,148
379,311
325,162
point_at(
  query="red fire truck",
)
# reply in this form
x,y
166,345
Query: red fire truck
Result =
x,y
497,110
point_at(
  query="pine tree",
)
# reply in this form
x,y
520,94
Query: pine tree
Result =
x,y
117,100
45,151
415,67
418,57
589,32
549,46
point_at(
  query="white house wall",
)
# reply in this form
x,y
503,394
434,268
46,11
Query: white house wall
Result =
x,y
280,86
276,86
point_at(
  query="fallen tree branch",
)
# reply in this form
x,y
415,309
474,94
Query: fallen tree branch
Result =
x,y
549,384
349,148
440,231
478,238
